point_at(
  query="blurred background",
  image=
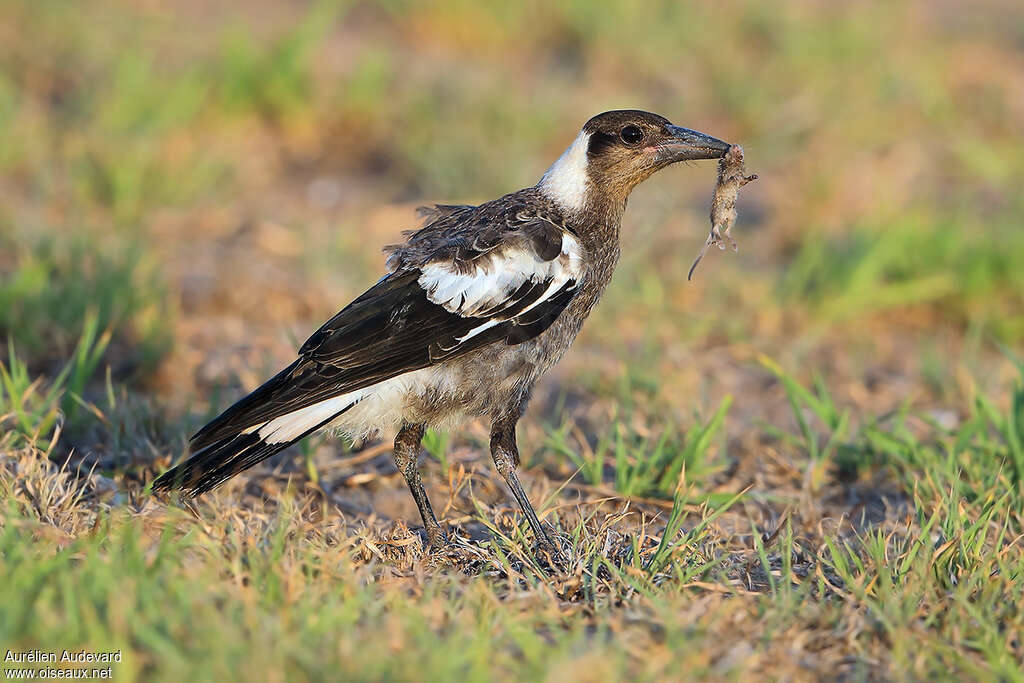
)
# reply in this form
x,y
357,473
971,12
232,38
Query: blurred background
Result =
x,y
209,181
747,464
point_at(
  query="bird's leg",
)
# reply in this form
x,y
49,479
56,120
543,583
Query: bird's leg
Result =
x,y
407,450
506,459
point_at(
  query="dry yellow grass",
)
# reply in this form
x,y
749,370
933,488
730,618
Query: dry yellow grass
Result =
x,y
209,186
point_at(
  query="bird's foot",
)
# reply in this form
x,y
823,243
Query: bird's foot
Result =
x,y
551,551
437,539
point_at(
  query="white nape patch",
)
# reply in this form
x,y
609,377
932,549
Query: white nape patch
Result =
x,y
381,406
489,285
566,181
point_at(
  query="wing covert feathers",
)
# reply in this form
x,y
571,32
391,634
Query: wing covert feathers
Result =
x,y
500,272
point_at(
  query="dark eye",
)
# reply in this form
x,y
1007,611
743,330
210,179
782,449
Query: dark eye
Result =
x,y
631,135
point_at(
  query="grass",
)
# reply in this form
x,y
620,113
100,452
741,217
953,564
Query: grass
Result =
x,y
256,589
636,462
805,464
920,261
32,410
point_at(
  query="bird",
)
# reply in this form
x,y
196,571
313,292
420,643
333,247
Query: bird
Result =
x,y
474,308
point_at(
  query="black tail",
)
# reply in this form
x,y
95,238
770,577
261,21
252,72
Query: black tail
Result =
x,y
220,460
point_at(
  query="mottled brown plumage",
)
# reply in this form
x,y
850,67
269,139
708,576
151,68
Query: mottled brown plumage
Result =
x,y
476,306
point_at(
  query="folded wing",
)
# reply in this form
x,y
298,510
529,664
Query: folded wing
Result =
x,y
462,291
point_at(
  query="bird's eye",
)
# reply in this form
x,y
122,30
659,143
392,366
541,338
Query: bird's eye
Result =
x,y
631,135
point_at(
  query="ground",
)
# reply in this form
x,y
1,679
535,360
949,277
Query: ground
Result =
x,y
807,463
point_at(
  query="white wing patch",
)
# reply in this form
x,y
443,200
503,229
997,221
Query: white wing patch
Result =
x,y
480,328
497,277
567,179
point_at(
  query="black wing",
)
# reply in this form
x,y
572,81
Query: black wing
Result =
x,y
397,326
497,273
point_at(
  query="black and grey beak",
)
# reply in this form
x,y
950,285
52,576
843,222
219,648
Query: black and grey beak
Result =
x,y
689,145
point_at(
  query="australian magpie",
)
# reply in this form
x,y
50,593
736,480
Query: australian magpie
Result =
x,y
474,308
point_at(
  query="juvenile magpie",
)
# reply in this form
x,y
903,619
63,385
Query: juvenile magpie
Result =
x,y
474,308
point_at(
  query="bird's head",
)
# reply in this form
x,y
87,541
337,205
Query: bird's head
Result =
x,y
616,151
